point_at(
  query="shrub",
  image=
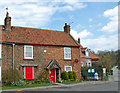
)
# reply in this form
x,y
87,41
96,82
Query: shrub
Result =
x,y
84,73
64,75
10,76
44,76
74,75
70,75
18,83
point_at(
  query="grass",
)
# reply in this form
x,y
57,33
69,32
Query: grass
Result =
x,y
27,86
70,82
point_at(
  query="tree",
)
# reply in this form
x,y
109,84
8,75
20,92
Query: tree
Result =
x,y
106,61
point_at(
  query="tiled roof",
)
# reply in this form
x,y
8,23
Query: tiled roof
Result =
x,y
38,36
82,55
83,49
93,56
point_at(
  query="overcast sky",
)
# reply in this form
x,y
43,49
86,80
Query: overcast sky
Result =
x,y
95,22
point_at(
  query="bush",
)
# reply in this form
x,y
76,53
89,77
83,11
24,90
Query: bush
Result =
x,y
18,83
84,73
64,75
74,75
10,76
70,75
44,76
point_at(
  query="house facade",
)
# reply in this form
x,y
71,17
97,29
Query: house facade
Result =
x,y
31,50
87,57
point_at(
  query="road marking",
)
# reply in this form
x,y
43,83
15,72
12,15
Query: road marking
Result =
x,y
19,90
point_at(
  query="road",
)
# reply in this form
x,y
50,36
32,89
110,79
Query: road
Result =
x,y
109,86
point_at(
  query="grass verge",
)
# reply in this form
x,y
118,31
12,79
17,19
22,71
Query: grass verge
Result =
x,y
27,86
70,82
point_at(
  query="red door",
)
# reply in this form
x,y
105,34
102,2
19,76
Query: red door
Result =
x,y
29,73
52,75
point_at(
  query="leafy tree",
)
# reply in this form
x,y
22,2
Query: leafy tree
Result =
x,y
106,61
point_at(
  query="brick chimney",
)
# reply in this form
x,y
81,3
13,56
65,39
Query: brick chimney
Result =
x,y
7,22
78,40
67,28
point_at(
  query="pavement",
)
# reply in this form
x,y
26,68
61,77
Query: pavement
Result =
x,y
115,76
59,85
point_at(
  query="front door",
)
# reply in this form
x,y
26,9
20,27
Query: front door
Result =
x,y
52,75
29,73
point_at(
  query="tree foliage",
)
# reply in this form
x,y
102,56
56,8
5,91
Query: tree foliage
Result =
x,y
108,59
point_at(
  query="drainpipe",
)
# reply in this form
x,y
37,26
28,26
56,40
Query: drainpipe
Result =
x,y
13,56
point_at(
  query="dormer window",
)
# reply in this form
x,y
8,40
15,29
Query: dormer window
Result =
x,y
87,53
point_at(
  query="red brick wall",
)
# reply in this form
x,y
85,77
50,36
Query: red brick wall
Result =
x,y
40,58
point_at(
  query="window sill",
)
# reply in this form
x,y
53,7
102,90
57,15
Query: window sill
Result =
x,y
28,59
67,59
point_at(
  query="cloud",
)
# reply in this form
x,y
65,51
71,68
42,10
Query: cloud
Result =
x,y
112,25
36,13
82,34
102,43
90,19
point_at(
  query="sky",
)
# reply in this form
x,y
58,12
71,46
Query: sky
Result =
x,y
94,21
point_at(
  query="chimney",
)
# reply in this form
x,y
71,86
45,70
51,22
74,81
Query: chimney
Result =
x,y
78,40
7,22
67,28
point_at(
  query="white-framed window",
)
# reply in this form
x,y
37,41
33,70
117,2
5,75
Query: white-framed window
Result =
x,y
87,53
88,63
68,68
82,64
28,51
0,50
67,53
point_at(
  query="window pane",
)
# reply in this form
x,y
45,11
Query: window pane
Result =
x,y
67,53
68,69
28,51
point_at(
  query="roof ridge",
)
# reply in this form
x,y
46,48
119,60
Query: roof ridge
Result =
x,y
36,28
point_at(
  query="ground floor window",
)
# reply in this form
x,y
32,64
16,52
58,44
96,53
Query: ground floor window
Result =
x,y
68,68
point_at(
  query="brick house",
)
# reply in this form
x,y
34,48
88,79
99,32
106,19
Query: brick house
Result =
x,y
30,50
87,57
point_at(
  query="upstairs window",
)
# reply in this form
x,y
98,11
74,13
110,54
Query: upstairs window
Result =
x,y
67,53
28,52
88,63
0,51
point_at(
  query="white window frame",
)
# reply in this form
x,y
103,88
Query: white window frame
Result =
x,y
68,66
25,52
87,63
0,50
87,53
82,64
65,53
